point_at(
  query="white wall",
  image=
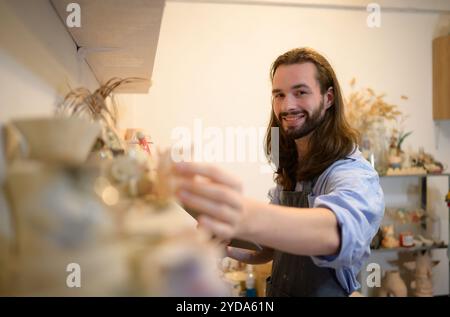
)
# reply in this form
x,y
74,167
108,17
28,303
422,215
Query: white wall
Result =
x,y
38,59
213,61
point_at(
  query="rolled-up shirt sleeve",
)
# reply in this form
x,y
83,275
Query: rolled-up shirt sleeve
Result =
x,y
356,198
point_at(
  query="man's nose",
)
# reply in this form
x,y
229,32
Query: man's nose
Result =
x,y
289,103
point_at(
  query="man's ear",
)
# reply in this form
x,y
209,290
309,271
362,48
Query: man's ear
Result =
x,y
329,98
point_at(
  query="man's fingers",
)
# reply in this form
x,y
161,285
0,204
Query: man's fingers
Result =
x,y
206,206
209,171
220,229
212,191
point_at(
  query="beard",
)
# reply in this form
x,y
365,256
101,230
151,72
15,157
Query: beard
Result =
x,y
311,122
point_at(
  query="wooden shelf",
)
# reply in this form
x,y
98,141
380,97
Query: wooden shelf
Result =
x,y
412,249
414,175
118,38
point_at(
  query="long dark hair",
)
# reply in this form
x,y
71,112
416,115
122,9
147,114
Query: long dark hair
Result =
x,y
332,140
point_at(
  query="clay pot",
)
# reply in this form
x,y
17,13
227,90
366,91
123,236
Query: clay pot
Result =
x,y
55,140
56,221
395,161
393,285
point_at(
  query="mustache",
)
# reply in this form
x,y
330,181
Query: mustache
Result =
x,y
284,114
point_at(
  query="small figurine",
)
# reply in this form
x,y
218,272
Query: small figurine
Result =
x,y
143,142
422,268
393,285
137,137
389,241
406,171
427,161
424,241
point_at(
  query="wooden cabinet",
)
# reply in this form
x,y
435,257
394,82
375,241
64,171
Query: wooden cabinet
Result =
x,y
441,78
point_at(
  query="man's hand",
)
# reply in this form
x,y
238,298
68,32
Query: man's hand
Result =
x,y
216,195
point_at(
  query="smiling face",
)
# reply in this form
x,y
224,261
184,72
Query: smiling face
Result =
x,y
308,107
297,100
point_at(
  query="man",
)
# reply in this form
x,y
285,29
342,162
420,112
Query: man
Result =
x,y
327,204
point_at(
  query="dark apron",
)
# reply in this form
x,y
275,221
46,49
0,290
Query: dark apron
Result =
x,y
296,275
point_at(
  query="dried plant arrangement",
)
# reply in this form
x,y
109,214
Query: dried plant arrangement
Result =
x,y
99,106
364,109
371,115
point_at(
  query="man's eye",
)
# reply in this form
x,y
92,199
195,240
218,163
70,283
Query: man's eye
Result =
x,y
278,96
299,93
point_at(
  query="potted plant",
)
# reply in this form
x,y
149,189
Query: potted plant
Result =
x,y
396,154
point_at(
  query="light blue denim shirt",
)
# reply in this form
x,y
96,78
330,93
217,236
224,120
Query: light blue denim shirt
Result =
x,y
351,189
